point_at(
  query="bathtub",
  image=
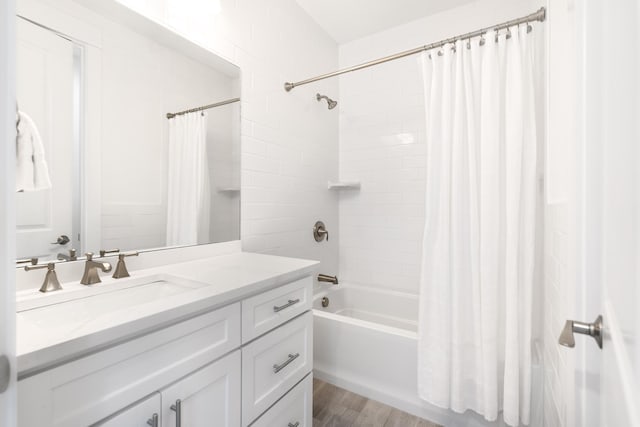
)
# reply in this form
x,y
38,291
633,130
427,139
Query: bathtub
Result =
x,y
366,341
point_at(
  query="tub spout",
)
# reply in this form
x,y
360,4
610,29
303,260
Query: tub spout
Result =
x,y
327,278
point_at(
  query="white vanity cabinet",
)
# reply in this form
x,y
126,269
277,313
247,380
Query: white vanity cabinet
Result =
x,y
228,367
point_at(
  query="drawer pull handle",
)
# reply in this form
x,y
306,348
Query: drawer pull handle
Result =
x,y
153,421
292,357
177,408
288,304
297,423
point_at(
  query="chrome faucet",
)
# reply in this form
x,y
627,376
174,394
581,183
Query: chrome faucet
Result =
x,y
90,276
51,282
327,278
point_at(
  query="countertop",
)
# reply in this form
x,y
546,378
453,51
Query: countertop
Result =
x,y
223,279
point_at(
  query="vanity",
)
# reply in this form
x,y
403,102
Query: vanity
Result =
x,y
220,341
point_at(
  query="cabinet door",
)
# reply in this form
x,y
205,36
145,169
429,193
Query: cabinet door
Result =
x,y
142,414
210,397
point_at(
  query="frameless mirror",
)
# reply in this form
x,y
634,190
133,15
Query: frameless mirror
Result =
x,y
128,134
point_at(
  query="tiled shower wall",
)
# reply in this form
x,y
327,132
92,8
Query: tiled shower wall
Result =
x,y
289,140
382,144
560,288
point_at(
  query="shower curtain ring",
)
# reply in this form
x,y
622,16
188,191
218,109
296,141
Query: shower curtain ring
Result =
x,y
508,33
529,27
482,40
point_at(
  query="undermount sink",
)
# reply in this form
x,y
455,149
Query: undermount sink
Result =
x,y
89,303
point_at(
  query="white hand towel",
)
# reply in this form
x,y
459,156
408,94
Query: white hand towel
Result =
x,y
32,172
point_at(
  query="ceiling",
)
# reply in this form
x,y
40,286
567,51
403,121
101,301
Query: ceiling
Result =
x,y
347,20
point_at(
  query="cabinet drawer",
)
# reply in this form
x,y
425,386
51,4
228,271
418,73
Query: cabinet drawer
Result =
x,y
294,409
274,363
267,310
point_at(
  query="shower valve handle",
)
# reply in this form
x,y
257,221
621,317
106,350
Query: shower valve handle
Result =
x,y
320,232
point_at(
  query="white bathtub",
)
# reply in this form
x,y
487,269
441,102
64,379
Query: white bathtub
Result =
x,y
365,341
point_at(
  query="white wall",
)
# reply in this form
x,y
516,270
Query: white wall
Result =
x,y
289,140
382,144
560,215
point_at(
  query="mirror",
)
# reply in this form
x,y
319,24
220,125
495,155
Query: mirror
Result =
x,y
128,134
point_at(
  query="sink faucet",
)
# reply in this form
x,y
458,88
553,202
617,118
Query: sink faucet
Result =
x,y
71,257
90,276
327,278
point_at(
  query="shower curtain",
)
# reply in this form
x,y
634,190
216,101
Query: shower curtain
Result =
x,y
188,197
479,236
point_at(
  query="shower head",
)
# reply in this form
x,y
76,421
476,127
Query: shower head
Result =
x,y
330,102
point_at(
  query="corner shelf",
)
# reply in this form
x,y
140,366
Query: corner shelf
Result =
x,y
343,185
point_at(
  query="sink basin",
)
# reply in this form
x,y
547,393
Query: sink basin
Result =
x,y
88,304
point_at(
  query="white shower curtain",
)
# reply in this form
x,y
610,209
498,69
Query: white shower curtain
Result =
x,y
188,197
479,236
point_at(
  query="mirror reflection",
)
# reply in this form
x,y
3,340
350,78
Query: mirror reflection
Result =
x,y
128,135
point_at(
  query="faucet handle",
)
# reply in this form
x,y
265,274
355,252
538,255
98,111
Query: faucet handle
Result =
x,y
89,256
50,266
51,282
110,251
32,261
123,255
121,268
320,231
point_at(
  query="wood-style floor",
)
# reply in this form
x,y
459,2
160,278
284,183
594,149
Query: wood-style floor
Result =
x,y
336,407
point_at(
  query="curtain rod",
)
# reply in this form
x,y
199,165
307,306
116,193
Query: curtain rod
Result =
x,y
540,15
204,107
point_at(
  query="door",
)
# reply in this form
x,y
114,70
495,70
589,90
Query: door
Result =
x,y
142,414
608,380
208,397
7,223
45,92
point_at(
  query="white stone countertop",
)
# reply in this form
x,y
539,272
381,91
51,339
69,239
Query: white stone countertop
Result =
x,y
43,343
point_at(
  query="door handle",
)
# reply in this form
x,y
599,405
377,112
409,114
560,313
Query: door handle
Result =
x,y
5,373
572,326
62,240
